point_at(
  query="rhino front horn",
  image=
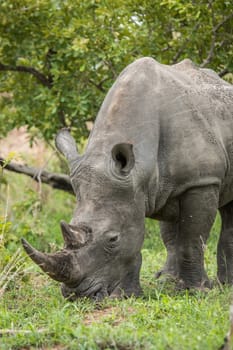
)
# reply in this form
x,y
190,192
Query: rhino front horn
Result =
x,y
58,265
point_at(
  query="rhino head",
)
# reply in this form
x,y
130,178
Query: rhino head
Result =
x,y
101,255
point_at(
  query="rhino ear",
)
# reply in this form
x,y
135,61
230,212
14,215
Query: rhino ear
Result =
x,y
123,157
66,144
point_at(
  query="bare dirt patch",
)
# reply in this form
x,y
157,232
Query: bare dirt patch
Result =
x,y
113,315
17,142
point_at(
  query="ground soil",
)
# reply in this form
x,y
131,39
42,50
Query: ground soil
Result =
x,y
114,313
17,141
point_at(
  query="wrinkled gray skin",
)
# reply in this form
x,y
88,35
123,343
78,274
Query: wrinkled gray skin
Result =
x,y
161,147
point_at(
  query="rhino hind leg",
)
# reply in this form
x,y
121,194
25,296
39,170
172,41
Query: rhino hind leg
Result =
x,y
198,208
225,245
169,231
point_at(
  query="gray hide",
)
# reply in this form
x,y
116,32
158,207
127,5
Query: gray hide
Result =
x,y
161,147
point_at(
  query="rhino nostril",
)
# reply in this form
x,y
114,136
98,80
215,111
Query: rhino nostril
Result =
x,y
113,239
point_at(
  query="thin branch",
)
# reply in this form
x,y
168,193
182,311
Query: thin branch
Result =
x,y
46,81
55,180
40,172
220,24
5,214
210,55
183,46
62,118
99,85
109,64
223,72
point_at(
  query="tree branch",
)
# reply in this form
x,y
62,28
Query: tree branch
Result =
x,y
215,28
46,81
55,180
220,24
210,55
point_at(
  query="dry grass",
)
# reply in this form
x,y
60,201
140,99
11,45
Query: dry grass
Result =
x,y
12,270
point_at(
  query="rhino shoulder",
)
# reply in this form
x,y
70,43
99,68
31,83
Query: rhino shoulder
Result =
x,y
185,64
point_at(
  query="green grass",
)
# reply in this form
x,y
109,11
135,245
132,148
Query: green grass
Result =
x,y
33,314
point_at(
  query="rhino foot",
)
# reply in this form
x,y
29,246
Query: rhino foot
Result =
x,y
170,273
204,286
168,270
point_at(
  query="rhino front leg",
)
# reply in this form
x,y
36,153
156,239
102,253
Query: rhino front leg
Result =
x,y
169,232
198,208
130,283
225,245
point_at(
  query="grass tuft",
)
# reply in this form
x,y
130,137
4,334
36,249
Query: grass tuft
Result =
x,y
12,271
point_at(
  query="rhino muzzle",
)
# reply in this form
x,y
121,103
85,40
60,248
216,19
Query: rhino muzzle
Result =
x,y
95,291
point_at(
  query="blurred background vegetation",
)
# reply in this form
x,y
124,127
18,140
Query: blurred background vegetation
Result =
x,y
58,58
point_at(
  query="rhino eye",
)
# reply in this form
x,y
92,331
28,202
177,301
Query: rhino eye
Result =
x,y
112,243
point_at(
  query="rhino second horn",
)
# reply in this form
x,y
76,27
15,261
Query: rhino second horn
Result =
x,y
72,236
56,265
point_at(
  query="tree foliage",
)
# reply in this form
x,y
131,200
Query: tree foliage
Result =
x,y
59,57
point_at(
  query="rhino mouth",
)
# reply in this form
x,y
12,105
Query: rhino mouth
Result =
x,y
96,292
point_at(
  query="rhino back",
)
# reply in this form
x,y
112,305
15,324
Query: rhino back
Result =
x,y
180,121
